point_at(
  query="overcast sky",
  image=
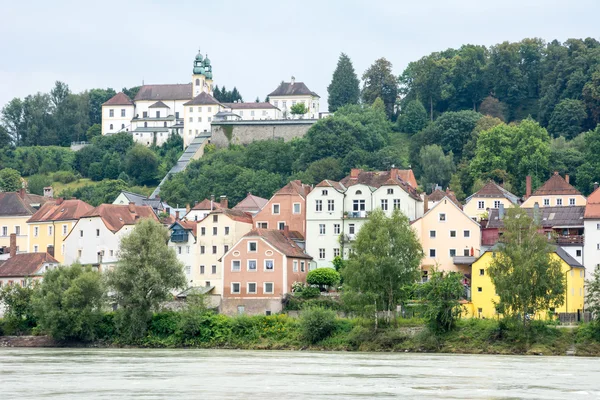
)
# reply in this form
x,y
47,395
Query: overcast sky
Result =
x,y
254,45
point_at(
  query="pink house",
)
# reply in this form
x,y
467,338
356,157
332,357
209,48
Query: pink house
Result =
x,y
259,270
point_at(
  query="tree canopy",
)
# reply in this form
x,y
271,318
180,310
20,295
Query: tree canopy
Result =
x,y
344,88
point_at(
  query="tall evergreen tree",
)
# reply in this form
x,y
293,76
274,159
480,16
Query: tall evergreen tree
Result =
x,y
379,81
344,87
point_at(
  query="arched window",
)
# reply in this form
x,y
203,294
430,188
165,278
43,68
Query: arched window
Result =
x,y
197,82
111,127
145,124
358,192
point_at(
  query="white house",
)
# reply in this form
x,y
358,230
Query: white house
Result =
x,y
591,223
95,238
291,93
335,211
183,241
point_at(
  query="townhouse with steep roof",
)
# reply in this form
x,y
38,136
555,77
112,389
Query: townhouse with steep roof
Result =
x,y
259,270
156,203
555,192
335,211
437,195
450,238
19,268
15,209
95,239
52,223
591,225
205,207
251,204
287,207
289,94
491,195
215,235
182,240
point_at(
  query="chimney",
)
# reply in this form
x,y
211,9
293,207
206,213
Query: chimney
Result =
x,y
286,230
48,192
50,250
595,186
293,80
567,178
131,207
59,201
528,186
212,201
177,215
223,202
425,203
22,193
536,213
354,173
501,211
393,173
13,244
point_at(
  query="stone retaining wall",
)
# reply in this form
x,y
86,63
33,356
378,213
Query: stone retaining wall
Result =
x,y
245,132
27,341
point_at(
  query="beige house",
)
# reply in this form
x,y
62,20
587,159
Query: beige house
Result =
x,y
555,192
450,238
215,235
490,196
289,94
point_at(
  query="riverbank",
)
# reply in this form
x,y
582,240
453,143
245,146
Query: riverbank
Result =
x,y
281,332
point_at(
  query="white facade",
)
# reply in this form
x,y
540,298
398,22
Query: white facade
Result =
x,y
591,249
117,118
186,252
197,120
285,103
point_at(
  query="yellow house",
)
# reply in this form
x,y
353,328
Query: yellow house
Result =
x,y
51,224
483,292
15,209
555,192
491,195
450,239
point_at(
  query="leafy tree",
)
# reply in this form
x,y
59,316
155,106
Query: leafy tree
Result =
x,y
317,171
413,117
567,118
589,171
93,131
10,180
442,294
37,183
593,299
68,304
344,87
298,109
386,257
103,192
270,155
379,81
437,167
323,277
5,140
493,107
18,310
141,164
147,272
456,186
12,118
96,98
526,276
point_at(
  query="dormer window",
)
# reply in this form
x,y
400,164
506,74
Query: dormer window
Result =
x,y
324,192
358,192
390,191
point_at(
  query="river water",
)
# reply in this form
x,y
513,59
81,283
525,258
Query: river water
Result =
x,y
229,374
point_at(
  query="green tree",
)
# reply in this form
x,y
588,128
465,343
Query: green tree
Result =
x,y
141,164
37,183
12,118
323,277
379,81
385,257
344,87
317,171
18,310
68,304
298,109
10,180
567,118
493,107
437,167
413,118
442,294
526,276
455,185
589,171
147,272
592,299
93,131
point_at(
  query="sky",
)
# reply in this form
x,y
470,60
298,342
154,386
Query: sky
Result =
x,y
254,45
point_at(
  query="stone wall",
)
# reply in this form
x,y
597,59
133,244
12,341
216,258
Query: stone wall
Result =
x,y
244,132
229,306
27,341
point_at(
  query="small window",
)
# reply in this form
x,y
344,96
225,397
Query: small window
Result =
x,y
213,269
319,205
297,208
442,217
432,234
384,204
295,266
330,205
226,230
235,265
64,230
203,231
252,247
97,232
188,270
281,226
546,202
35,249
202,249
396,204
432,253
251,289
214,249
262,225
559,202
358,192
225,249
481,272
215,218
571,201
269,265
452,252
336,252
467,234
302,267
578,253
497,203
481,205
452,234
321,254
321,229
122,112
215,230
202,269
351,229
336,229
276,209
80,233
235,288
50,230
324,192
479,289
111,113
390,191
466,252
268,288
178,249
251,265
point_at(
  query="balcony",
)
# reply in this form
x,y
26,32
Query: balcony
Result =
x,y
570,240
356,214
179,237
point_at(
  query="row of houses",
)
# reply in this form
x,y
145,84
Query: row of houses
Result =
x,y
247,257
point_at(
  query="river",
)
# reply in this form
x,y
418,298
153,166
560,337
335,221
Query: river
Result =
x,y
228,374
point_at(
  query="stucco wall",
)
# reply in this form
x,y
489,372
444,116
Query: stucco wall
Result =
x,y
245,132
229,306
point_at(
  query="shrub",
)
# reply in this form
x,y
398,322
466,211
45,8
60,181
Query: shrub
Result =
x,y
317,324
64,176
165,323
309,292
323,277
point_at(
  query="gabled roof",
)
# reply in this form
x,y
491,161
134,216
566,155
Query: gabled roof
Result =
x,y
201,99
251,203
205,205
292,89
279,241
25,264
12,204
249,106
331,184
165,92
493,190
556,185
136,198
236,215
187,225
592,208
376,179
550,217
61,210
159,104
119,99
116,216
567,257
438,204
295,187
438,194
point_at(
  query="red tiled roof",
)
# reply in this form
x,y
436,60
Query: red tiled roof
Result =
x,y
115,216
65,211
119,99
407,175
201,99
592,209
236,215
278,240
205,205
438,195
556,185
251,203
25,264
377,179
295,187
333,184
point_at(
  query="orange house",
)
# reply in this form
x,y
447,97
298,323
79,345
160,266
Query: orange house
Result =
x,y
259,270
287,207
